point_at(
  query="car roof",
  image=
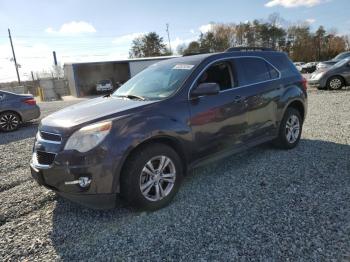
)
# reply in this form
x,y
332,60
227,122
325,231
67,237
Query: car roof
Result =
x,y
197,59
7,92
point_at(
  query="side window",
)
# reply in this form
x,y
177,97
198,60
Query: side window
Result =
x,y
254,70
284,65
273,72
220,73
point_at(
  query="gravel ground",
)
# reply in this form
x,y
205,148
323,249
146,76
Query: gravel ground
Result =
x,y
262,204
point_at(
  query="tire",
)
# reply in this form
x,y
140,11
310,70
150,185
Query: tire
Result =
x,y
289,133
335,83
9,121
138,173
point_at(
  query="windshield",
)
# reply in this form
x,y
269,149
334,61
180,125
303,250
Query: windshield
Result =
x,y
156,82
342,62
104,82
341,56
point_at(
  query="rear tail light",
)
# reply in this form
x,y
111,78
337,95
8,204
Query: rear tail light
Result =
x,y
304,83
29,101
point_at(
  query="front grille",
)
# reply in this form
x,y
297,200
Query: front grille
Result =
x,y
50,136
45,158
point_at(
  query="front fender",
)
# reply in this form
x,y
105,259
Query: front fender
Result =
x,y
134,131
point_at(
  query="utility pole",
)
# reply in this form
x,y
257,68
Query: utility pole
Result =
x,y
54,58
14,57
167,30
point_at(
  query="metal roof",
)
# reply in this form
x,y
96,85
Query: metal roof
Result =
x,y
123,60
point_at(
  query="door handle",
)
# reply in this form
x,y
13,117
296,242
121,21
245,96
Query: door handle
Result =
x,y
237,99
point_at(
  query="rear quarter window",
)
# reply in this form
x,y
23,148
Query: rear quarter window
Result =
x,y
284,65
251,70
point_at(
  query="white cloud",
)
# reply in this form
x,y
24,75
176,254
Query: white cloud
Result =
x,y
205,28
126,39
72,28
310,20
31,57
179,41
293,3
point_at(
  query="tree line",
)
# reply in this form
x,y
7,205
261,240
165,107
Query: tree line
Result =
x,y
298,40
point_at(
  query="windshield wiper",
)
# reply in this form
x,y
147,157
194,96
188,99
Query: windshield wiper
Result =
x,y
132,97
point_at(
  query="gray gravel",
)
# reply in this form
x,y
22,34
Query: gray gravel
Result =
x,y
262,204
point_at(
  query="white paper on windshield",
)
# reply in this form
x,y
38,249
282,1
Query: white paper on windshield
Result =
x,y
183,67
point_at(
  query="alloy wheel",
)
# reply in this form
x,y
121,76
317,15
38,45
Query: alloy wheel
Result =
x,y
292,129
335,83
157,178
9,122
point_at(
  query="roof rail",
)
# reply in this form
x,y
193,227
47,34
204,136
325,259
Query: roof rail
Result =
x,y
248,48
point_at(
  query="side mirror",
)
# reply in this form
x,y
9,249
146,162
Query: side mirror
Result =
x,y
206,89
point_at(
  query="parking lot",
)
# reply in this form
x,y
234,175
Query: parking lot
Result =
x,y
263,204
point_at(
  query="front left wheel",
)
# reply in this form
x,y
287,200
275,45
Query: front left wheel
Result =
x,y
335,83
151,177
9,121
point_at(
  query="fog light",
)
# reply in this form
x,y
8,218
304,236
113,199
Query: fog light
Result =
x,y
83,182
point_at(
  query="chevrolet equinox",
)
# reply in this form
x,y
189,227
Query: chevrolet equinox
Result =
x,y
140,141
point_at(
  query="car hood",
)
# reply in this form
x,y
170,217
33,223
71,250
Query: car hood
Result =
x,y
88,111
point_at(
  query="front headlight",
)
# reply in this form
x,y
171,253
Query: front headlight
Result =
x,y
88,137
317,76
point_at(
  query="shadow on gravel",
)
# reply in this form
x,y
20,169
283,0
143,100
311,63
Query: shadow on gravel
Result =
x,y
26,130
262,204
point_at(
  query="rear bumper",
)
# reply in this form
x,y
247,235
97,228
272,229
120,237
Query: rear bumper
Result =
x,y
30,113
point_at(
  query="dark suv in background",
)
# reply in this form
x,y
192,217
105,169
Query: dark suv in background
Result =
x,y
180,113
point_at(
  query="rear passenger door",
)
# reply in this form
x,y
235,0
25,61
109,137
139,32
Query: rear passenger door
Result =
x,y
260,86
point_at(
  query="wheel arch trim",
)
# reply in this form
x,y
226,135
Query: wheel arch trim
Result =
x,y
174,143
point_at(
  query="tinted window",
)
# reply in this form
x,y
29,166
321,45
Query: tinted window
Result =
x,y
273,72
284,65
105,82
252,70
342,56
219,73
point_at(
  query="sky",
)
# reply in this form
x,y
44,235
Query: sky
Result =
x,y
84,30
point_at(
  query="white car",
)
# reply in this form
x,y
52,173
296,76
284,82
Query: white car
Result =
x,y
104,85
299,65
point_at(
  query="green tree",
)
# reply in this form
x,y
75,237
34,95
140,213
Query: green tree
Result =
x,y
148,45
319,40
297,40
193,48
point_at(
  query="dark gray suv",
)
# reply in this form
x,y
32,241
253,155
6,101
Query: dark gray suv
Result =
x,y
140,141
